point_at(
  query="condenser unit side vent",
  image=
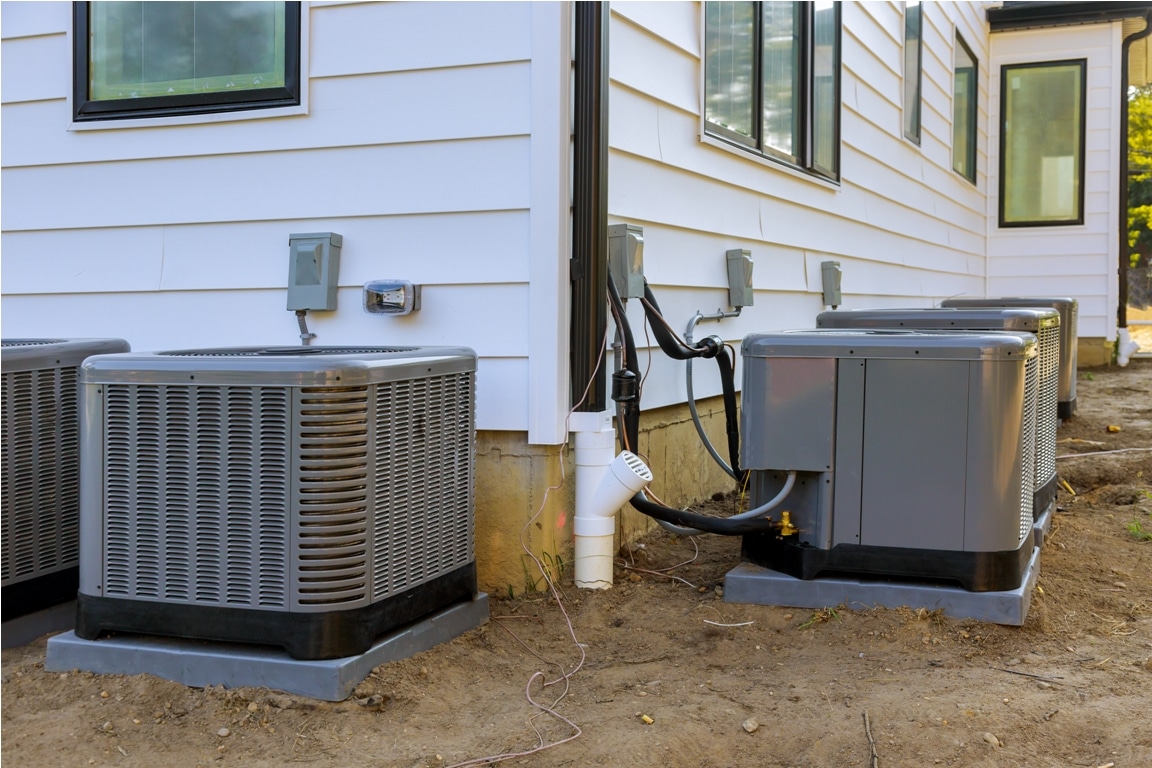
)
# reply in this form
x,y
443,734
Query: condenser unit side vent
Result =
x,y
1028,448
333,529
195,500
424,462
41,472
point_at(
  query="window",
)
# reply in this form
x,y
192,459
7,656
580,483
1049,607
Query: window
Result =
x,y
964,111
772,81
913,70
147,59
1042,144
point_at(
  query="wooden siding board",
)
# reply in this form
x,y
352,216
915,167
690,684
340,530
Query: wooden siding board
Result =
x,y
477,102
642,62
387,37
35,68
676,23
31,19
411,178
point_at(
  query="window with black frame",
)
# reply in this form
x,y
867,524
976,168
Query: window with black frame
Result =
x,y
913,69
1042,143
148,59
772,81
964,87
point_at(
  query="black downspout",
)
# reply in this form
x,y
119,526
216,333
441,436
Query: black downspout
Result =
x,y
1122,292
589,266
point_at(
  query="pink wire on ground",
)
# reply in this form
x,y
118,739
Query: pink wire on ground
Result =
x,y
547,709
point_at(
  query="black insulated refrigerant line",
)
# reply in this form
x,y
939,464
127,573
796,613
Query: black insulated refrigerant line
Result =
x,y
709,347
589,264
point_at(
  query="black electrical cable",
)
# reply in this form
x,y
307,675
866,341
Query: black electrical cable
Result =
x,y
710,347
630,409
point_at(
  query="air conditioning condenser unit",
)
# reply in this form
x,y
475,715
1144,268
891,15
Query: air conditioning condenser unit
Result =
x,y
312,498
912,452
1043,322
41,487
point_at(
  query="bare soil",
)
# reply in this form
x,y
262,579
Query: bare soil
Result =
x,y
661,672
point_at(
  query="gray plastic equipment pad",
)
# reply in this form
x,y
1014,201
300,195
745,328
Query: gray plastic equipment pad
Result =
x,y
24,629
198,663
748,583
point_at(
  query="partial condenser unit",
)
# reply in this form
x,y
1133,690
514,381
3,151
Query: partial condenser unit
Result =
x,y
1068,309
312,498
911,453
41,487
1043,322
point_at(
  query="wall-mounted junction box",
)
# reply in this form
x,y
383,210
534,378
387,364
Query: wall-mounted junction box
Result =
x,y
830,273
626,259
313,270
739,277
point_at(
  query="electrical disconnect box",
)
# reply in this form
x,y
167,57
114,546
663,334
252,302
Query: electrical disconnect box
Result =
x,y
626,259
313,270
830,273
739,277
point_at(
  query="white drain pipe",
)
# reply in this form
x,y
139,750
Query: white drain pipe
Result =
x,y
1125,348
604,483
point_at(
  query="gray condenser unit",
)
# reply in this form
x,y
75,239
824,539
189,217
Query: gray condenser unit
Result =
x,y
1068,309
41,490
912,452
308,497
1043,322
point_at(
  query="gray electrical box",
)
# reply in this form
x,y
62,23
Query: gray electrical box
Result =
x,y
739,277
313,270
830,273
626,259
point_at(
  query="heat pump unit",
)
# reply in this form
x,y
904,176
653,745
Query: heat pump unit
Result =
x,y
41,492
1068,308
1043,322
312,498
912,453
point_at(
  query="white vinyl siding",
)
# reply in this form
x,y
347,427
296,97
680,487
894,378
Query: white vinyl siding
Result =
x,y
418,147
905,228
1079,261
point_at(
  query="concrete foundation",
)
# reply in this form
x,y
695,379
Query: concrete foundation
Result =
x,y
747,583
197,663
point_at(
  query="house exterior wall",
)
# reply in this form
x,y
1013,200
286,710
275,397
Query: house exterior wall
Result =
x,y
436,139
438,150
906,228
1078,261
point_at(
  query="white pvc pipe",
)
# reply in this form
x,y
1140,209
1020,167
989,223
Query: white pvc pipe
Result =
x,y
604,483
1125,348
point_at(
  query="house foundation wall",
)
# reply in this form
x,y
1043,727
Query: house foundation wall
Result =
x,y
525,499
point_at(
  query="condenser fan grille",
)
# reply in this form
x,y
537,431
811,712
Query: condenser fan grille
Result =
x,y
41,471
286,351
196,494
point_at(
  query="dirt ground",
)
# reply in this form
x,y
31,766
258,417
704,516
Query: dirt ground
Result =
x,y
661,672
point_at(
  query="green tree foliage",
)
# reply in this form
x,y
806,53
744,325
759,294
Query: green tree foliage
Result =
x,y
1140,174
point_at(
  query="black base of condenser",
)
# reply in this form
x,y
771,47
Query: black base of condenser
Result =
x,y
975,571
306,636
1065,408
38,593
1044,497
